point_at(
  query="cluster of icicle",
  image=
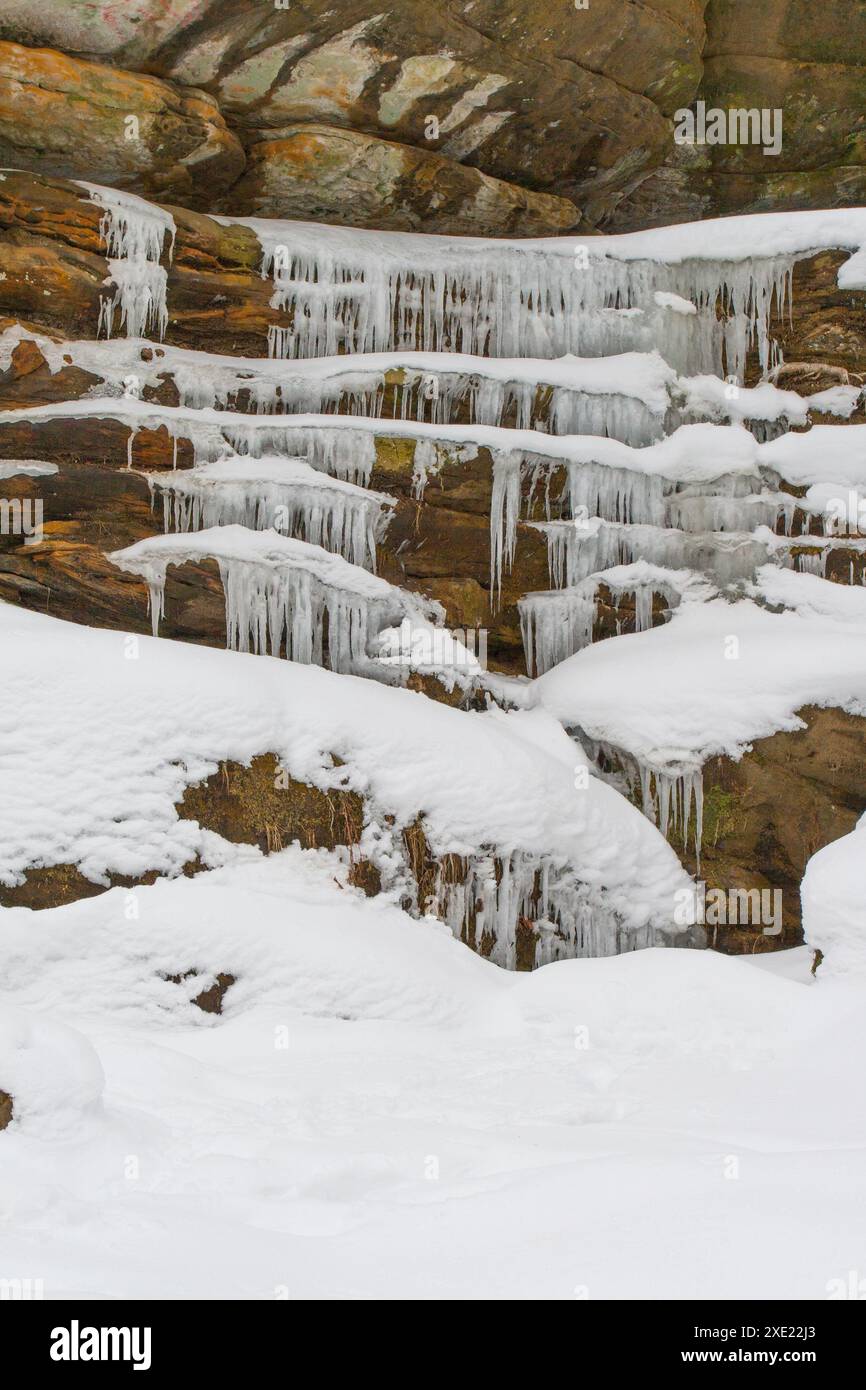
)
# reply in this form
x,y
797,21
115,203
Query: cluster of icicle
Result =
x,y
282,597
348,295
134,233
575,551
672,797
348,454
492,895
437,399
346,521
284,610
438,392
555,625
616,516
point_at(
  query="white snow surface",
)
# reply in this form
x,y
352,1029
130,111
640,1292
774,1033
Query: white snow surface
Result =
x,y
49,1069
268,547
379,1113
713,239
212,380
26,468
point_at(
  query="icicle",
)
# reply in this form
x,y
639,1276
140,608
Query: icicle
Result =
x,y
284,494
488,904
555,626
279,593
813,562
667,794
504,515
134,232
343,452
574,552
156,601
616,494
347,293
425,464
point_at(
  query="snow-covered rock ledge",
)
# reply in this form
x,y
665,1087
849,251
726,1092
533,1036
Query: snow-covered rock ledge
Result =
x,y
278,592
527,832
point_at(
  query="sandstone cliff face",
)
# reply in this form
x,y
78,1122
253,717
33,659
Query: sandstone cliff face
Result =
x,y
327,174
569,115
577,104
764,815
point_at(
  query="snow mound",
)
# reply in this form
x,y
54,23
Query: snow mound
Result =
x,y
289,928
50,1070
833,893
278,591
373,1086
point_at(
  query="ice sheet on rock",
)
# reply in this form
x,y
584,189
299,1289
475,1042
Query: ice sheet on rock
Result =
x,y
134,232
729,505
575,551
365,292
283,494
340,449
279,592
626,397
692,454
348,290
556,625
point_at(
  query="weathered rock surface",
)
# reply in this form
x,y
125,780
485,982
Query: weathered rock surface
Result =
x,y
327,174
577,103
804,59
52,256
765,816
75,119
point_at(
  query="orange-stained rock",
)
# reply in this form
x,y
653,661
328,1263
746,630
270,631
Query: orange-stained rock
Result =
x,y
62,116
